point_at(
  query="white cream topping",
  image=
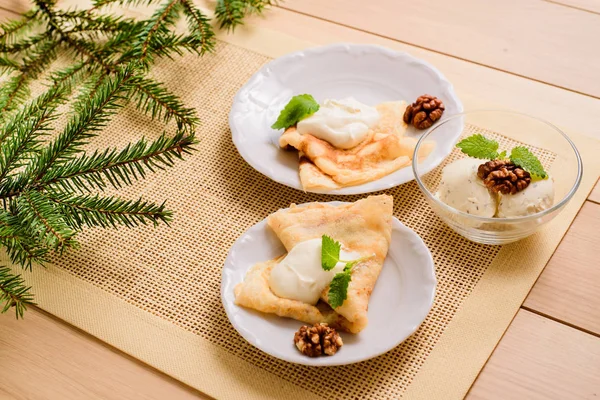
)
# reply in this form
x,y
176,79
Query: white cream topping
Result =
x,y
343,123
461,189
299,276
536,197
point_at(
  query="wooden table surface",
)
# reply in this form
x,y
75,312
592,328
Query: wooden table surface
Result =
x,y
540,57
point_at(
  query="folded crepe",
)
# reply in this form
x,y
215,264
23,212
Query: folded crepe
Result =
x,y
384,150
363,227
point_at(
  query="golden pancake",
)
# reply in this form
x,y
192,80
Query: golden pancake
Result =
x,y
363,227
384,150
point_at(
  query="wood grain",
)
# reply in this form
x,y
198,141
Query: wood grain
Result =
x,y
569,288
592,6
43,358
595,195
525,37
540,359
14,6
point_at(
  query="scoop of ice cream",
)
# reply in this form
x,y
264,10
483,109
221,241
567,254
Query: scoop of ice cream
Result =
x,y
461,189
536,197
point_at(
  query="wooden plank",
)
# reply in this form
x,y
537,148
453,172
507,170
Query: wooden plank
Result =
x,y
569,287
592,6
526,37
16,6
540,359
595,195
44,358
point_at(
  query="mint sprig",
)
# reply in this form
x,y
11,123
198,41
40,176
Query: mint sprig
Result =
x,y
298,108
525,159
478,146
330,257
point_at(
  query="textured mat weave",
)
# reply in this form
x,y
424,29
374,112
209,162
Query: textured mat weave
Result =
x,y
174,273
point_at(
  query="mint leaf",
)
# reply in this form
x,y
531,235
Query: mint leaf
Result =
x,y
525,159
330,253
502,155
338,289
478,146
330,256
298,108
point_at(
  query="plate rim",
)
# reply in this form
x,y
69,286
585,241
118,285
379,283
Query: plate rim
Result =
x,y
430,276
236,135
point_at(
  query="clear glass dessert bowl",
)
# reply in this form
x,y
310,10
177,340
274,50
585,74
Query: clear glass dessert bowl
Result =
x,y
553,148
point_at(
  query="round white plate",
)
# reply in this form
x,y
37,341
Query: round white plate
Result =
x,y
371,74
400,301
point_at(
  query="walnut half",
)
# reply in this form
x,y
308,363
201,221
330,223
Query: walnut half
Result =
x,y
317,340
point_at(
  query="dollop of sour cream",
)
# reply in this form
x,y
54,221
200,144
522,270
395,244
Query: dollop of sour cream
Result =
x,y
343,123
299,276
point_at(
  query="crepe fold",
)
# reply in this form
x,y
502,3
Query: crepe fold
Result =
x,y
383,151
363,227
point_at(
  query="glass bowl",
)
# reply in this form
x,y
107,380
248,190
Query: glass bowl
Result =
x,y
556,151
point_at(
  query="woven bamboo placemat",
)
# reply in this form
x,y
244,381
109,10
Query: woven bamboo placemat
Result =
x,y
154,293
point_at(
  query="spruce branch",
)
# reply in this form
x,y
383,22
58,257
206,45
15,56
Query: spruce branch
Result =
x,y
20,248
83,21
92,116
14,293
160,22
119,168
105,212
154,99
70,76
8,65
25,130
103,3
16,91
12,29
42,220
48,187
22,45
121,41
231,13
199,25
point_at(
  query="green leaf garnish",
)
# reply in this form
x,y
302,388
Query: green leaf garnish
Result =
x,y
298,108
502,155
478,146
525,159
338,289
330,253
330,257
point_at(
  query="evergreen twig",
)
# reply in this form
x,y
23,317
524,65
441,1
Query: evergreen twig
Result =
x,y
231,13
105,212
49,187
14,293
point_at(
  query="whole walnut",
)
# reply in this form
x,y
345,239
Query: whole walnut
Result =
x,y
424,111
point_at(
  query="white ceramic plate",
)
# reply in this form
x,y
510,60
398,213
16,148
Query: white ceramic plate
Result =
x,y
400,301
371,74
